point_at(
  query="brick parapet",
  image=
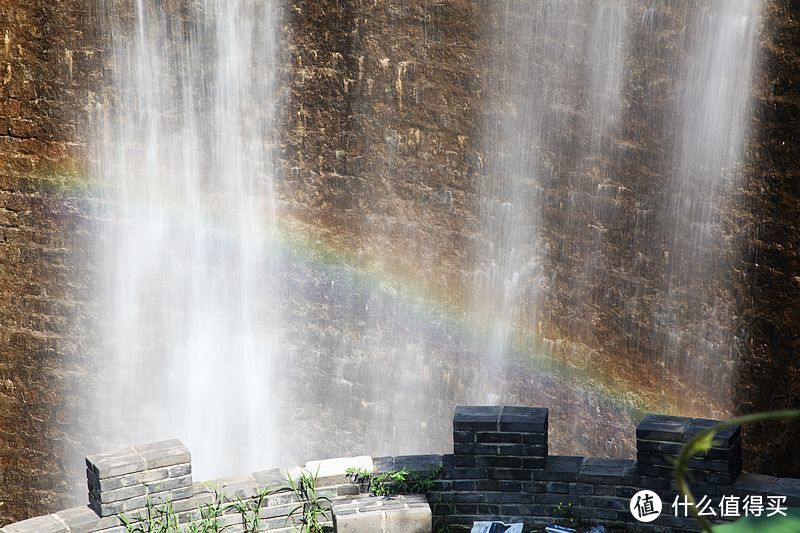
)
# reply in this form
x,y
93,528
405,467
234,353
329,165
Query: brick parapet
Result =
x,y
500,470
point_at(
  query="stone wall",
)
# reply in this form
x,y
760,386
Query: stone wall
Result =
x,y
500,469
49,61
381,156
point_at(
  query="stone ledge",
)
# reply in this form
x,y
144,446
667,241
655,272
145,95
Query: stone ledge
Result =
x,y
397,514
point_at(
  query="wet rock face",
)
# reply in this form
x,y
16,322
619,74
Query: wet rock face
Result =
x,y
386,105
48,61
769,373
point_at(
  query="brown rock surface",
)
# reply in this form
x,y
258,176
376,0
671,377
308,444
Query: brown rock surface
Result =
x,y
386,109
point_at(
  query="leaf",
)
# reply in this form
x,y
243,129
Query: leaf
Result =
x,y
763,524
703,444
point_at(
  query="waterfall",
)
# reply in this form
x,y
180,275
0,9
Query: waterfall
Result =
x,y
217,331
191,307
602,231
710,121
556,83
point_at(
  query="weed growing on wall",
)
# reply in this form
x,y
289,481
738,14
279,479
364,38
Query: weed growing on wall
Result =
x,y
313,508
401,481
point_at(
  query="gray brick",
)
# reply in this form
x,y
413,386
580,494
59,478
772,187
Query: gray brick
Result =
x,y
496,437
466,461
383,464
559,487
180,470
150,476
595,470
523,419
754,484
475,449
534,438
40,524
124,493
273,479
498,461
529,450
724,438
580,488
113,464
508,473
85,520
169,484
164,453
476,418
662,428
418,463
466,437
789,488
620,504
533,463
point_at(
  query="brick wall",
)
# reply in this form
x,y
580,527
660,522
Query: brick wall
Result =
x,y
500,469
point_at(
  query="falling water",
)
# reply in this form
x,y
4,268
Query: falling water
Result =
x,y
538,82
198,337
184,157
559,182
710,123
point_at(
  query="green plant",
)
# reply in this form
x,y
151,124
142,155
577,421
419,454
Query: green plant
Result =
x,y
156,519
565,516
702,442
401,481
313,508
441,511
210,514
249,510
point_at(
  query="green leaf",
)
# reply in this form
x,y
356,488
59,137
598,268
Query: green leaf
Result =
x,y
774,524
703,444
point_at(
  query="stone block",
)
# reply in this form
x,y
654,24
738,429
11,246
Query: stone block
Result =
x,y
662,428
523,419
467,437
496,437
124,493
579,488
534,438
404,513
412,520
724,438
383,464
509,474
789,488
754,484
423,464
534,462
236,487
526,450
496,461
169,484
118,463
165,453
559,468
273,479
476,418
40,524
468,461
596,470
126,479
85,520
151,476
